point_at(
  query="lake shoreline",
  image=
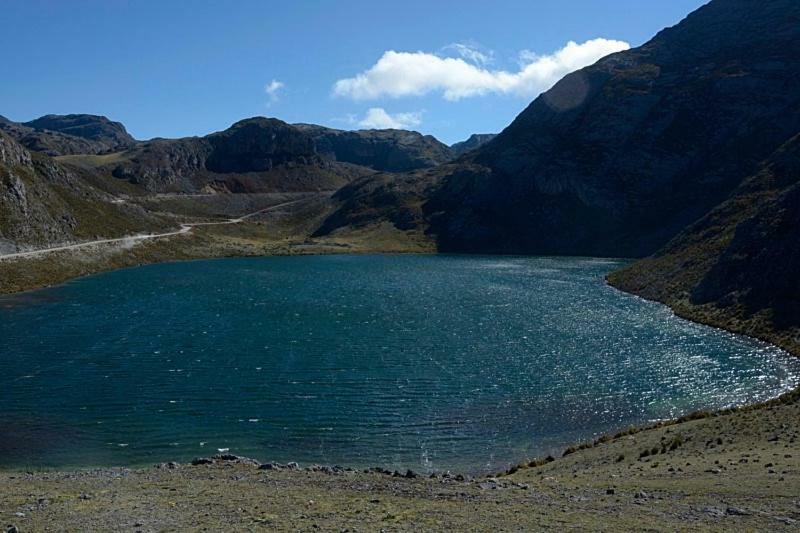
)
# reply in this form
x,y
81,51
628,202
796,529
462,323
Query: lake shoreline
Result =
x,y
422,489
700,473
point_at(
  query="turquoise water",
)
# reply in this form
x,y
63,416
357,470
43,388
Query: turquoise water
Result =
x,y
425,362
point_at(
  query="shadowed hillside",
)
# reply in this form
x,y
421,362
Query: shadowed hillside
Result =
x,y
619,157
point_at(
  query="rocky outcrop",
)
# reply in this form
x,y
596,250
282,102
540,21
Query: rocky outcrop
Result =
x,y
165,164
98,129
12,154
56,135
43,203
254,155
476,140
259,145
383,150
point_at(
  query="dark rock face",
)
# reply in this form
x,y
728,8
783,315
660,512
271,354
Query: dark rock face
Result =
x,y
741,261
382,150
619,157
69,134
476,140
259,144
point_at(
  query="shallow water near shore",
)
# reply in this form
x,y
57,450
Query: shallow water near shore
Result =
x,y
424,362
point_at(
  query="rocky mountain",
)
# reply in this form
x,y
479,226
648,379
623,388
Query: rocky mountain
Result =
x,y
619,157
43,202
476,140
56,135
383,150
253,155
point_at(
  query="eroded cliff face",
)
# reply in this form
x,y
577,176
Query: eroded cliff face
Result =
x,y
617,158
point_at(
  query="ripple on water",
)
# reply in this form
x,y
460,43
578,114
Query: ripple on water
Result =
x,y
427,362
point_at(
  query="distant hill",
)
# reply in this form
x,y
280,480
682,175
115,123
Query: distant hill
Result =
x,y
387,150
254,155
56,135
476,140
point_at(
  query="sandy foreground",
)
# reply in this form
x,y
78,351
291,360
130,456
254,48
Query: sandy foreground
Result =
x,y
734,471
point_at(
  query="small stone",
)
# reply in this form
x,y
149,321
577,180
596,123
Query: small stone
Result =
x,y
641,495
736,511
714,511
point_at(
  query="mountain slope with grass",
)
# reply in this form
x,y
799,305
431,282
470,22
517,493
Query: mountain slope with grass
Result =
x,y
43,203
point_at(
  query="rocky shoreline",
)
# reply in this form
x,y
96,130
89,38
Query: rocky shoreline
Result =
x,y
738,469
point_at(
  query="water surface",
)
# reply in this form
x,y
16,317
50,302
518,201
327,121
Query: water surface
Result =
x,y
427,362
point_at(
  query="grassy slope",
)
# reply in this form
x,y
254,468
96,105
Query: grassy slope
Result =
x,y
285,231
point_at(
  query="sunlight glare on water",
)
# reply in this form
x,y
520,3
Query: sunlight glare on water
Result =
x,y
423,362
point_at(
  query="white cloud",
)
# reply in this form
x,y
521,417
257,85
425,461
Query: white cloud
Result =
x,y
398,74
377,118
272,89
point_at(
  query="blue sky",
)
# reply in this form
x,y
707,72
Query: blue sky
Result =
x,y
179,68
